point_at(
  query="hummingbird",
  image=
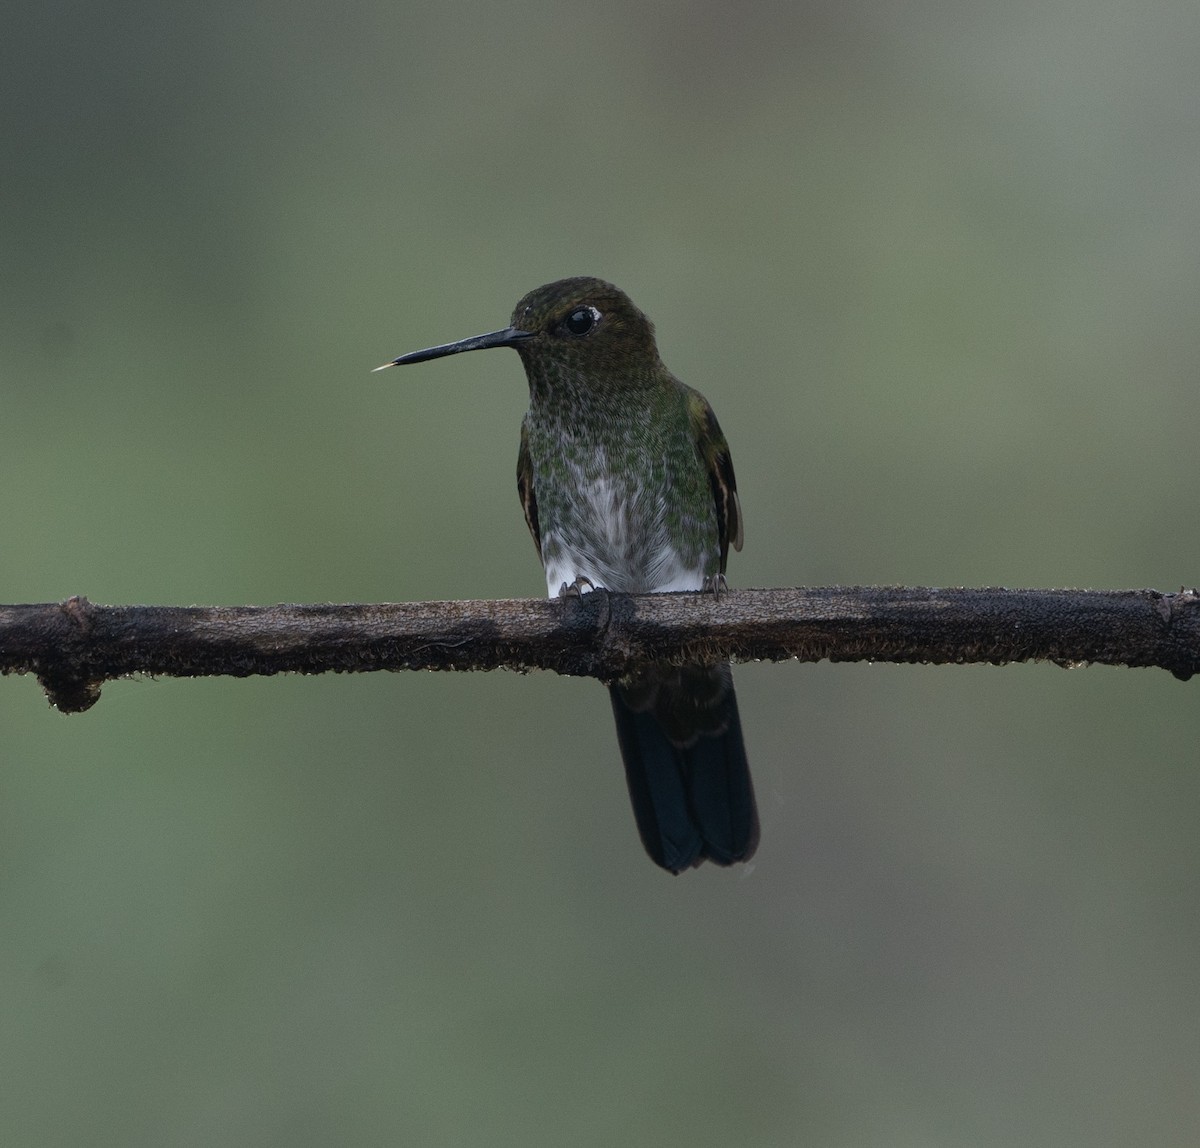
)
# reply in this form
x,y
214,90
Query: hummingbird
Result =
x,y
627,486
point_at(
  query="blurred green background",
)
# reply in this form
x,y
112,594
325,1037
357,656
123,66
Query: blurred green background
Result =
x,y
934,264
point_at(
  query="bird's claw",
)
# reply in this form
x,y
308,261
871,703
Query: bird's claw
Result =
x,y
714,584
575,589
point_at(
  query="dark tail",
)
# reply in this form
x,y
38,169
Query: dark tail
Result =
x,y
685,762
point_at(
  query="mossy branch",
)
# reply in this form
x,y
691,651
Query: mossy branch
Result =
x,y
74,646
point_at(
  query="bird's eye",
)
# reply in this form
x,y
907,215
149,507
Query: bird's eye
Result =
x,y
581,320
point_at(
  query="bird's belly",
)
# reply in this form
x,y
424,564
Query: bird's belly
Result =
x,y
610,532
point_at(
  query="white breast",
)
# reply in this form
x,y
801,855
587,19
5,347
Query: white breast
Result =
x,y
619,540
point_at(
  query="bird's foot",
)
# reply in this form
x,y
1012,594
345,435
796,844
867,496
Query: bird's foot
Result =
x,y
714,584
575,589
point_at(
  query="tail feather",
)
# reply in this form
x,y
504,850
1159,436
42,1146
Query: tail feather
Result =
x,y
689,781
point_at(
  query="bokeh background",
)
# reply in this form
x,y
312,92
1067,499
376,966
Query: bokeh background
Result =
x,y
934,264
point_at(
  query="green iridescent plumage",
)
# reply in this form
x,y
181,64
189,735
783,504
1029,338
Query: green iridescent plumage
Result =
x,y
627,485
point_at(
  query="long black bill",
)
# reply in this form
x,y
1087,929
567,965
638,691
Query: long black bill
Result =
x,y
509,337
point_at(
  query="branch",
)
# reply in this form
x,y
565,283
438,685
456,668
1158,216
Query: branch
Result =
x,y
74,646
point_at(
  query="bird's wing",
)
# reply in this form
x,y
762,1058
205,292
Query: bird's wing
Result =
x,y
525,489
714,452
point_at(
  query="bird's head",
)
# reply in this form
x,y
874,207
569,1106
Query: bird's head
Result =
x,y
585,325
